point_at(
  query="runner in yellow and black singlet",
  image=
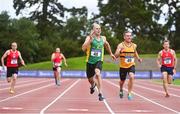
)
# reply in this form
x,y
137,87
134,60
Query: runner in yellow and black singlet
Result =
x,y
127,53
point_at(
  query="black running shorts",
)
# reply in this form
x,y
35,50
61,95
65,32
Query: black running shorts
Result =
x,y
90,68
124,71
11,71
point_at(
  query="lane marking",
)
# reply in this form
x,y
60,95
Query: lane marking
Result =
x,y
107,105
18,82
77,110
33,90
156,90
142,111
12,108
145,98
57,98
24,85
159,85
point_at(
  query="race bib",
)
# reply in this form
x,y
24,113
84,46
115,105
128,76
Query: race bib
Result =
x,y
129,59
167,61
14,61
57,64
96,53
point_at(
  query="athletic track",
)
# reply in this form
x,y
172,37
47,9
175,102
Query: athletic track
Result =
x,y
41,96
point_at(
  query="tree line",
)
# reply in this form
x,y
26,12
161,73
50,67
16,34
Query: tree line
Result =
x,y
47,26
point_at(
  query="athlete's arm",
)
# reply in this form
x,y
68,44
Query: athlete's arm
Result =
x,y
88,41
52,57
175,59
64,58
21,59
3,57
159,60
137,55
108,48
118,50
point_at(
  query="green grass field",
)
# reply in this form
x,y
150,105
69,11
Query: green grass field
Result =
x,y
78,63
75,63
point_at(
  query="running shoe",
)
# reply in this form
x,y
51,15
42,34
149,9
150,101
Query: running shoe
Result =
x,y
130,96
58,83
101,98
121,94
11,91
92,88
167,95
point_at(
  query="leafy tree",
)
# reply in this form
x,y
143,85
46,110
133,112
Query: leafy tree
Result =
x,y
136,15
172,16
47,14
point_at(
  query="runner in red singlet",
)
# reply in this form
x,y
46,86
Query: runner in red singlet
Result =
x,y
12,55
57,58
167,62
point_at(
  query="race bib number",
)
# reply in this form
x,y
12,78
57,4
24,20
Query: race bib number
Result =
x,y
57,64
96,53
167,61
129,59
14,61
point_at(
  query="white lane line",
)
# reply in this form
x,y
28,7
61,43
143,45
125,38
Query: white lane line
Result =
x,y
156,90
146,98
33,90
57,98
24,85
78,110
107,105
158,85
18,82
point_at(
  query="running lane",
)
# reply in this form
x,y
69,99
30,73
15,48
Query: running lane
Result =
x,y
144,102
34,99
78,100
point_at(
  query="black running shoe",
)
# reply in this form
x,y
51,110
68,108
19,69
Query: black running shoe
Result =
x,y
92,88
121,94
101,98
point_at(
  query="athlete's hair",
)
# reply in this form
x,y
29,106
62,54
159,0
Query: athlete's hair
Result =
x,y
126,32
13,43
166,41
94,24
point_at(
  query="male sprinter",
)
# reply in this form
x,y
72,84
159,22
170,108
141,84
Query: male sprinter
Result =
x,y
56,59
94,47
167,62
12,65
127,52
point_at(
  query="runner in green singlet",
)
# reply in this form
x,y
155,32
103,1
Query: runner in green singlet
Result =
x,y
94,48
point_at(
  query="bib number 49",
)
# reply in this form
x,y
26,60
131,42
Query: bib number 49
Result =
x,y
129,59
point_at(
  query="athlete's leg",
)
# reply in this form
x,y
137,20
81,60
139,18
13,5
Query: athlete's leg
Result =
x,y
9,79
122,76
99,79
13,82
169,79
58,76
92,81
55,77
99,83
165,83
121,83
90,72
131,82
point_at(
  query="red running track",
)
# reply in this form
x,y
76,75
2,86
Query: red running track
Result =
x,y
41,96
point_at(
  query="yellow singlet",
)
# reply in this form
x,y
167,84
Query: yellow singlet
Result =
x,y
127,55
